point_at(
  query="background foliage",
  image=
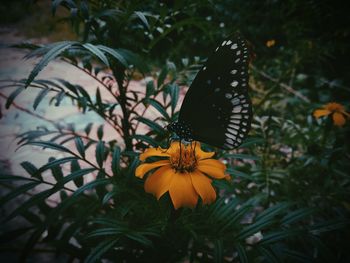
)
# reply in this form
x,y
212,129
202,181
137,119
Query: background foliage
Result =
x,y
290,178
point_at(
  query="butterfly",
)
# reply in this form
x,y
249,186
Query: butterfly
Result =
x,y
217,109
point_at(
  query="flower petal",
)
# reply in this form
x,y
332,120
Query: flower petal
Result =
x,y
154,152
319,113
181,191
159,182
213,162
142,169
203,187
338,119
200,153
212,168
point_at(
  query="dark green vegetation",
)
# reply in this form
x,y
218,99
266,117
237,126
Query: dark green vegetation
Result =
x,y
290,177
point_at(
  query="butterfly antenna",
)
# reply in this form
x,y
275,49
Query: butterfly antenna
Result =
x,y
180,153
194,150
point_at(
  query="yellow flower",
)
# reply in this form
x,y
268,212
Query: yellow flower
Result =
x,y
336,110
184,173
270,43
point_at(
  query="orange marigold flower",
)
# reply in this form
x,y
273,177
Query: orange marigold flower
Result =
x,y
336,110
270,43
184,173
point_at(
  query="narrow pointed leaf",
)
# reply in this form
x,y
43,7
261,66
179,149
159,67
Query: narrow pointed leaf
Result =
x,y
97,52
40,97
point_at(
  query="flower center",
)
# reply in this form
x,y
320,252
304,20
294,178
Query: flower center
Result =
x,y
184,162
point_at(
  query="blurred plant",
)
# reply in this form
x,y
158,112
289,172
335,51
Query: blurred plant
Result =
x,y
336,110
288,195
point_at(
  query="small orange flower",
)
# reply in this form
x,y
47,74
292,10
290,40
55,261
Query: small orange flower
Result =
x,y
270,43
336,110
184,173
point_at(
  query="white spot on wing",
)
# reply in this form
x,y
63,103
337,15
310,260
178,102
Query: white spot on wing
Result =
x,y
235,121
229,135
236,116
229,141
228,95
235,101
234,46
237,109
236,127
234,71
223,43
229,42
234,83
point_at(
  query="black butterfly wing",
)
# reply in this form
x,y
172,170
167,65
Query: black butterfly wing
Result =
x,y
217,106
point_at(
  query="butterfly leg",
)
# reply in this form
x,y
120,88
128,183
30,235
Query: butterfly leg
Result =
x,y
170,140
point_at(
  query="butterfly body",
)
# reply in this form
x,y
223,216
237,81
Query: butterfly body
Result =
x,y
217,109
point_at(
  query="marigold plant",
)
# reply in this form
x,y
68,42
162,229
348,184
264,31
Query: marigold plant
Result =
x,y
335,110
184,173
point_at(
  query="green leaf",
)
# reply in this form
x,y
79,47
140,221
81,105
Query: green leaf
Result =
x,y
18,191
34,200
150,89
159,108
74,167
233,216
59,97
174,94
142,18
116,160
108,196
269,255
80,146
73,176
277,236
242,254
98,251
250,142
100,132
162,76
235,172
242,156
294,216
8,236
31,169
55,162
88,128
91,185
107,231
114,53
218,251
329,225
272,211
50,55
100,153
56,171
50,145
12,96
40,97
139,238
146,139
296,256
153,125
9,178
97,52
252,229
